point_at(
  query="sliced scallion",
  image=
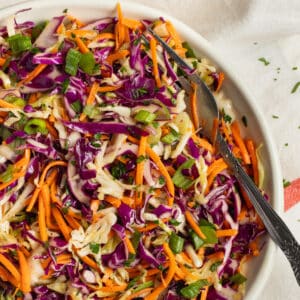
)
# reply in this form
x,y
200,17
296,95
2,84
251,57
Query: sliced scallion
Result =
x,y
87,63
19,43
72,60
145,117
36,125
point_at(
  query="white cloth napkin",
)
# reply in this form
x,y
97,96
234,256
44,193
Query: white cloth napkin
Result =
x,y
244,31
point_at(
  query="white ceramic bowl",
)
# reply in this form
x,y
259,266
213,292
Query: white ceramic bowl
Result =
x,y
260,267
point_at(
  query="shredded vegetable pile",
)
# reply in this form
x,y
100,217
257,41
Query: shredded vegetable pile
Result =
x,y
108,190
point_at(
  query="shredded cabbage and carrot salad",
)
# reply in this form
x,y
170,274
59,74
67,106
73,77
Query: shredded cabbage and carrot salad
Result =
x,y
108,190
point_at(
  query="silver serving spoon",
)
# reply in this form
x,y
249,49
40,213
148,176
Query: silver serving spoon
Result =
x,y
277,229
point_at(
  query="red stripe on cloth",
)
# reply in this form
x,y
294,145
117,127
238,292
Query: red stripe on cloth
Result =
x,y
292,194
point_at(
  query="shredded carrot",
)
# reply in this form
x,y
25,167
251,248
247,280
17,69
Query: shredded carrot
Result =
x,y
131,23
147,228
113,201
174,34
77,22
32,74
52,164
253,158
108,88
242,215
81,33
10,267
91,98
33,199
51,130
204,293
214,169
170,274
42,220
164,172
41,181
140,169
246,197
22,164
115,288
226,232
129,245
45,194
216,256
254,247
127,200
154,61
240,142
51,178
81,45
64,228
119,28
72,222
6,276
138,293
194,106
2,61
194,225
117,55
25,273
220,81
6,104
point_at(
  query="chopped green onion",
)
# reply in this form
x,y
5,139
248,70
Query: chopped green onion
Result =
x,y
215,266
36,125
145,117
87,63
161,180
77,106
15,100
19,43
264,61
143,286
238,278
65,85
189,52
176,243
295,87
193,289
7,175
174,222
171,137
94,247
285,182
179,179
72,60
37,29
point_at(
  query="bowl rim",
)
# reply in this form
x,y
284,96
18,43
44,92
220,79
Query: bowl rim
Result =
x,y
216,57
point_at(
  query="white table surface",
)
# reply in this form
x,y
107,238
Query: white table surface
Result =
x,y
245,30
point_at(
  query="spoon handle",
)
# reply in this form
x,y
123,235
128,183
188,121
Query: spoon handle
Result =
x,y
277,229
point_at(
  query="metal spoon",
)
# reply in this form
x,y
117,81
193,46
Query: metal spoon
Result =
x,y
277,229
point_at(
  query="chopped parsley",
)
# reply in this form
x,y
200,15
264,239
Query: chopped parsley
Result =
x,y
295,68
275,117
140,159
94,247
264,61
65,10
174,222
161,180
294,89
286,144
227,118
286,183
118,170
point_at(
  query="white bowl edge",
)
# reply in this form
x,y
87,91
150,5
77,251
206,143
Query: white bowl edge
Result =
x,y
140,10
